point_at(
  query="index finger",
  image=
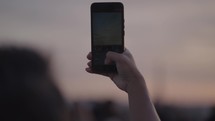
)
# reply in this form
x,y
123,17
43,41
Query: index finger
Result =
x,y
89,56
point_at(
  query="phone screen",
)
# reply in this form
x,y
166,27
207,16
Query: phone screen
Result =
x,y
107,30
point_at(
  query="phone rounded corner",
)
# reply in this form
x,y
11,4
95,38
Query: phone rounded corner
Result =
x,y
92,5
121,4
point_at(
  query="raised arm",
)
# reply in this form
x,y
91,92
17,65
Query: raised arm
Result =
x,y
130,80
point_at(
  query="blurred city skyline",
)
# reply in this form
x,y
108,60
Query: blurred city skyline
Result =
x,y
172,43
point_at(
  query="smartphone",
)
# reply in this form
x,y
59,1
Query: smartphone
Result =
x,y
107,33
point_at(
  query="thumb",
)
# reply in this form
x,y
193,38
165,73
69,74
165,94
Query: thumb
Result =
x,y
112,57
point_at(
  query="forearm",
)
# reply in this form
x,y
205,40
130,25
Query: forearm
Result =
x,y
141,107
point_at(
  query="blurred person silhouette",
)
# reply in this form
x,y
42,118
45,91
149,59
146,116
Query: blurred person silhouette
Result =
x,y
27,90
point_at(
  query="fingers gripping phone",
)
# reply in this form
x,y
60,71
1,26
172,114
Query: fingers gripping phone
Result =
x,y
107,33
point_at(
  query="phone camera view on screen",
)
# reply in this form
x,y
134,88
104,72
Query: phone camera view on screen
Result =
x,y
107,31
107,28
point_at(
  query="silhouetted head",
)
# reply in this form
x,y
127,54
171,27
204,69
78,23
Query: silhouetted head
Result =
x,y
27,91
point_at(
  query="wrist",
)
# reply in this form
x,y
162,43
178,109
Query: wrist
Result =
x,y
136,84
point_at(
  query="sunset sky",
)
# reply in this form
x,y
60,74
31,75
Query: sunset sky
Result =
x,y
173,43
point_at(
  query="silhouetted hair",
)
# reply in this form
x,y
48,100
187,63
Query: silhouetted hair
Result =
x,y
27,91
